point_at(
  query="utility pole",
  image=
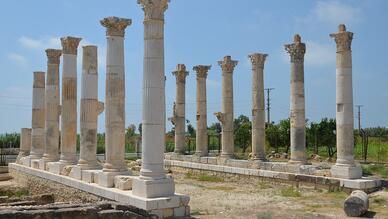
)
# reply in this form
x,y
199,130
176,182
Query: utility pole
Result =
x,y
359,116
268,104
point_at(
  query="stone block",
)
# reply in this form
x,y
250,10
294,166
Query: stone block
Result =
x,y
106,179
35,163
43,164
153,188
55,167
26,161
123,182
76,172
168,212
90,176
180,211
346,171
204,160
196,159
212,160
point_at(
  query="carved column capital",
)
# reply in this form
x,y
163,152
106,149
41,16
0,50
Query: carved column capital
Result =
x,y
202,70
180,73
227,64
296,49
258,59
70,44
53,55
220,117
115,26
343,39
154,9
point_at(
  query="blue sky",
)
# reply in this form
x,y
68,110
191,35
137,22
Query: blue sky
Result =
x,y
202,32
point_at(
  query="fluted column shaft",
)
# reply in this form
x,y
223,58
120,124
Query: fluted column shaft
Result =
x,y
51,152
179,108
227,113
69,100
297,102
201,135
115,94
90,109
38,116
258,109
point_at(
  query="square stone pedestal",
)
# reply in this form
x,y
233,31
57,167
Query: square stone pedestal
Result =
x,y
153,188
346,171
35,163
26,161
106,179
90,176
43,164
56,167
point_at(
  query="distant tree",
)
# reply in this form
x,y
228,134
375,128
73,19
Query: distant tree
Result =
x,y
130,131
216,127
242,132
140,128
191,130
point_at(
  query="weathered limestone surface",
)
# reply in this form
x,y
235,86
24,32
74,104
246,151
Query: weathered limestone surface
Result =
x,y
297,101
345,166
25,144
153,181
179,119
115,94
69,100
356,204
226,115
38,116
52,107
258,108
201,135
90,109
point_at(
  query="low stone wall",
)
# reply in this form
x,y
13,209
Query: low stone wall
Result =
x,y
299,180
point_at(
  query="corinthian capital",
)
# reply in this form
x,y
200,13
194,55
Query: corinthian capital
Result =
x,y
70,44
227,65
154,9
115,26
180,73
343,39
258,59
296,49
53,55
202,70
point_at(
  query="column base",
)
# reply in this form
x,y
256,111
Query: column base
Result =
x,y
150,188
43,164
35,163
78,170
106,179
200,154
225,155
345,171
26,161
297,162
90,176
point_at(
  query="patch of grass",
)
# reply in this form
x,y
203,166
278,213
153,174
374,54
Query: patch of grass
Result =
x,y
264,185
290,192
18,193
375,169
379,201
337,194
189,175
209,178
264,216
222,188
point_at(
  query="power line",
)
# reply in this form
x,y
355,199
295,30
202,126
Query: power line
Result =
x,y
269,104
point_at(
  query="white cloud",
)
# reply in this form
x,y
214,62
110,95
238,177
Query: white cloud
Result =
x,y
41,43
213,83
319,54
332,13
17,58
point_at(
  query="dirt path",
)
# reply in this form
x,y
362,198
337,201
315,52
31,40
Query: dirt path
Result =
x,y
266,200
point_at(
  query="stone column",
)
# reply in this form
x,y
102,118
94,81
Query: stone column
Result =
x,y
38,117
258,109
153,181
52,108
25,145
345,166
179,109
90,109
226,116
115,100
297,102
69,106
201,135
